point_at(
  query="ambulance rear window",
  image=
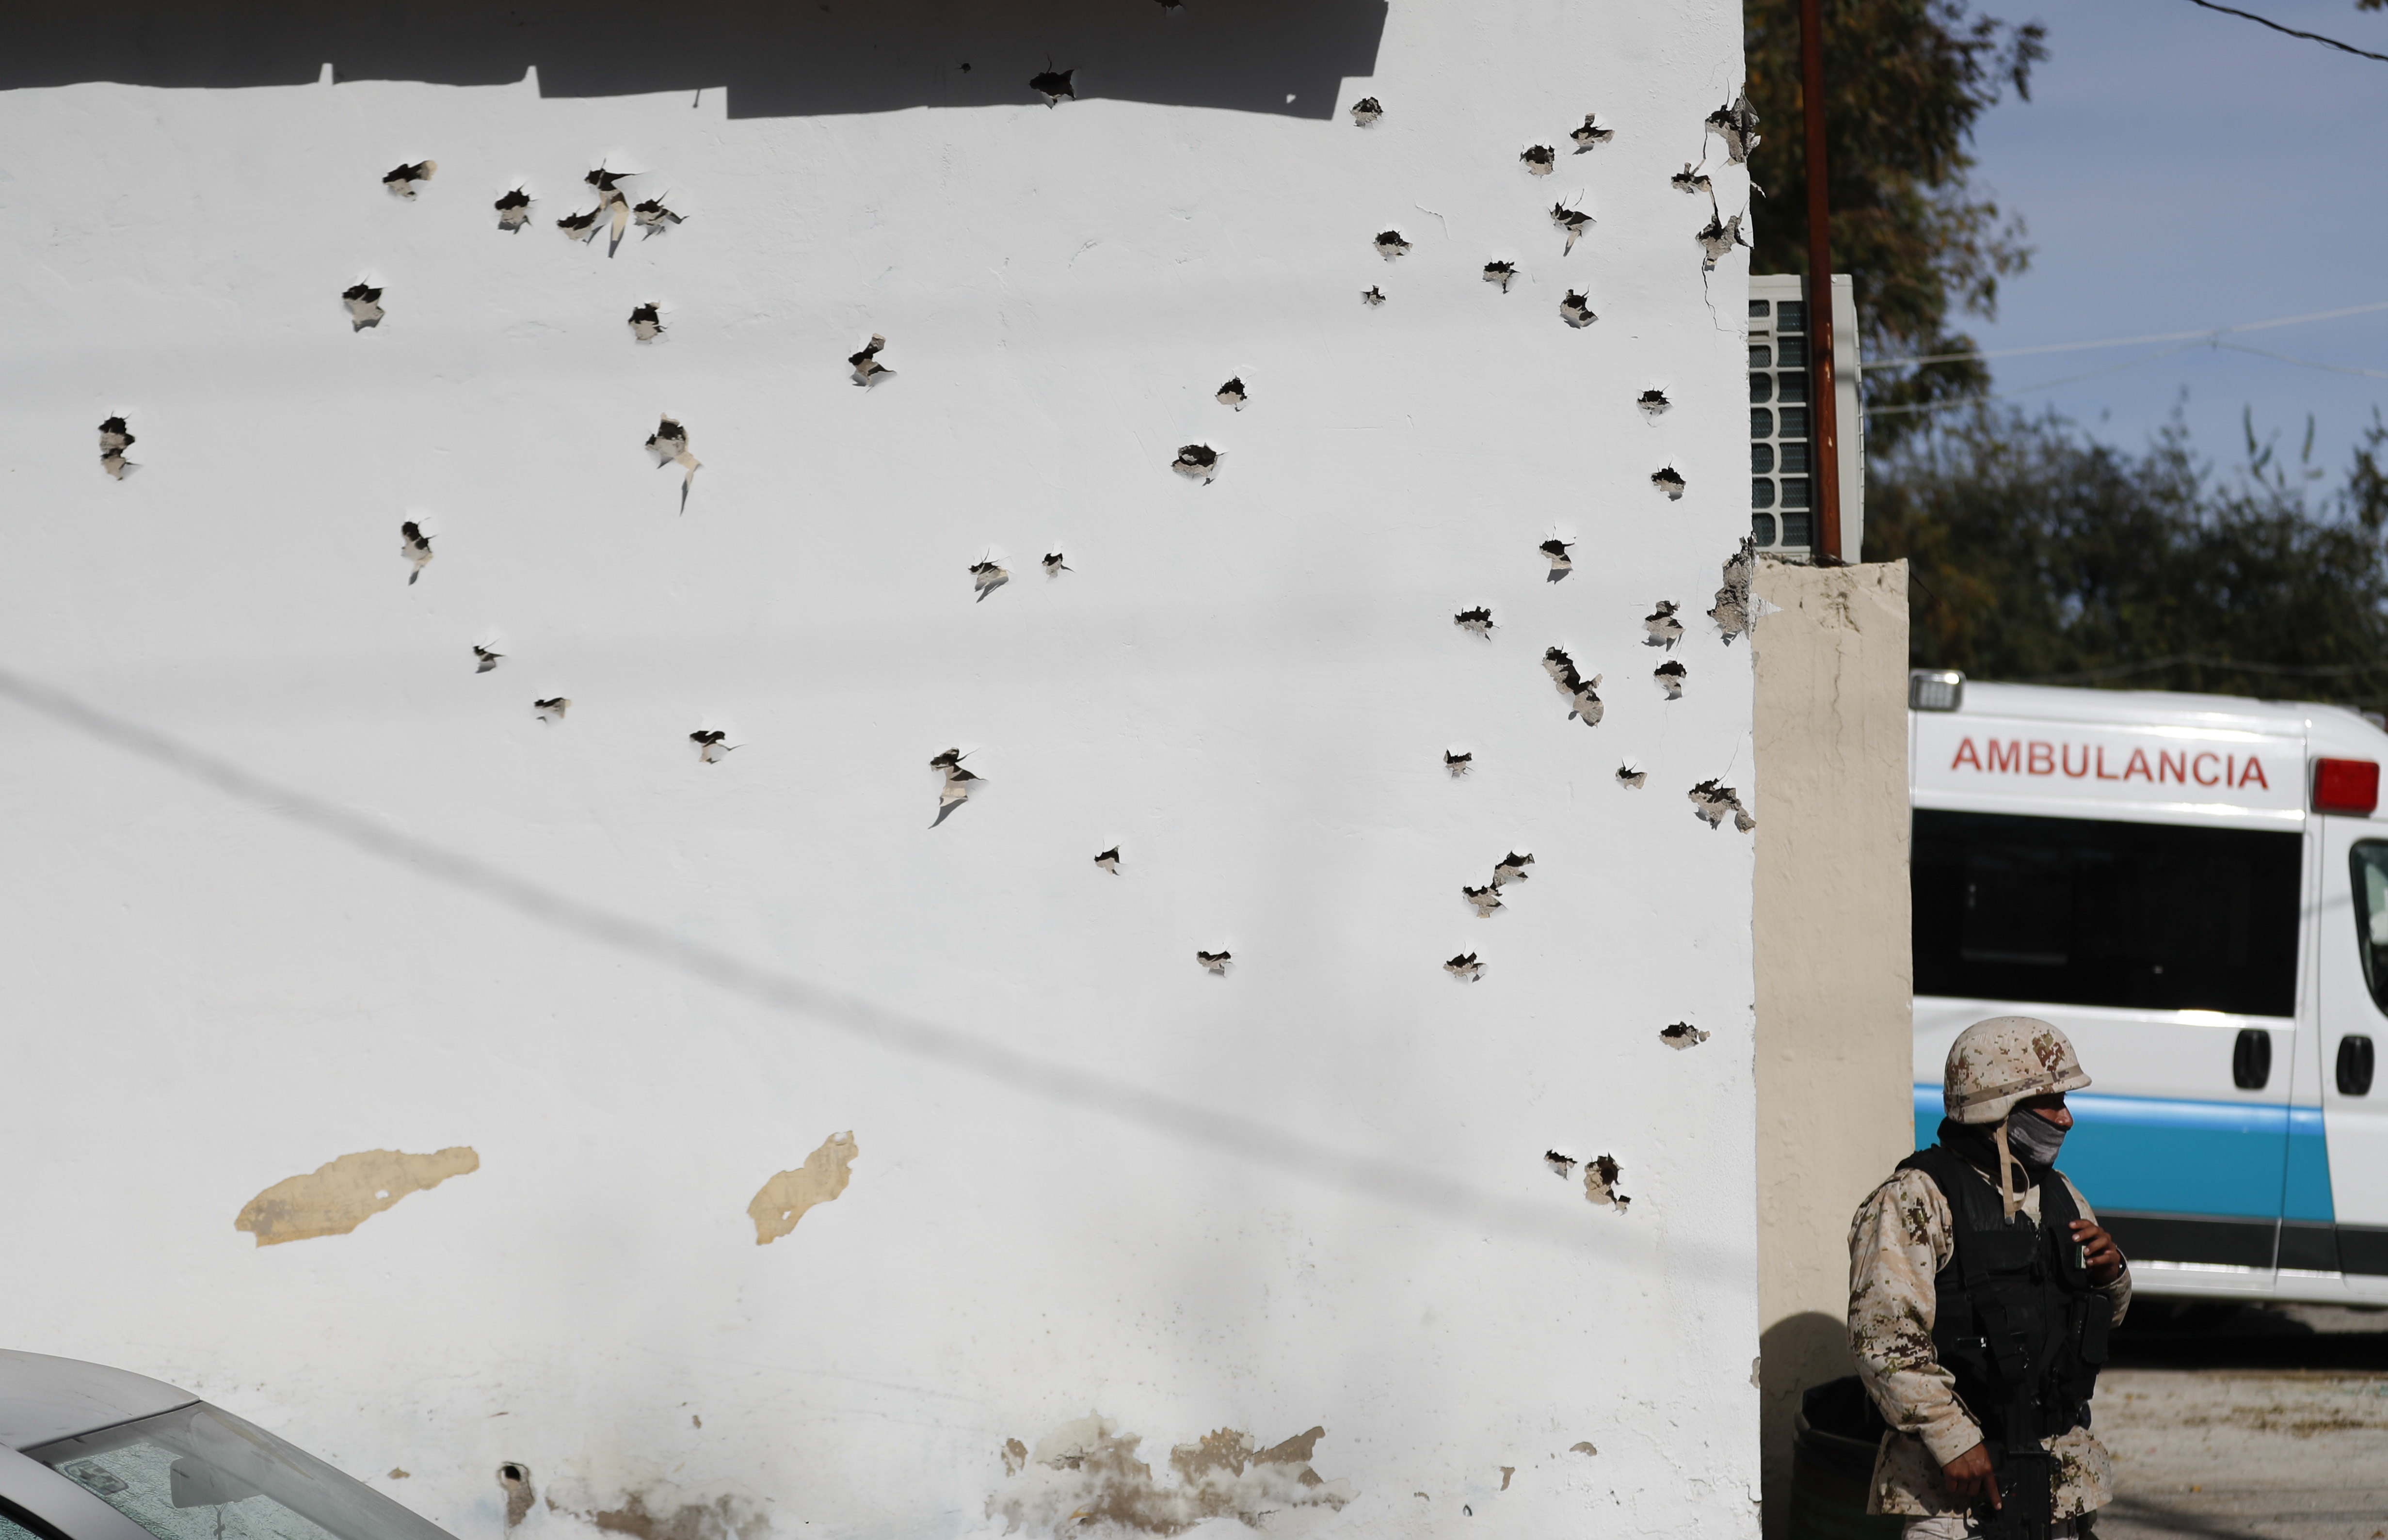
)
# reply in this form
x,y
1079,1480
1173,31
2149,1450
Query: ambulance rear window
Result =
x,y
2083,912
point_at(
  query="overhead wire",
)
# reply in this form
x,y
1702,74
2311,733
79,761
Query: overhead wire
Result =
x,y
2310,37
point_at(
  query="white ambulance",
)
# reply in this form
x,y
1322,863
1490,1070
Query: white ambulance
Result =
x,y
2195,889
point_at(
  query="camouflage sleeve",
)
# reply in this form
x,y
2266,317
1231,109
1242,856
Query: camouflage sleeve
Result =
x,y
2119,1291
1898,1240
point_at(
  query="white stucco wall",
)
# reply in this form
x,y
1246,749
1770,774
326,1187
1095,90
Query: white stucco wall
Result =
x,y
289,881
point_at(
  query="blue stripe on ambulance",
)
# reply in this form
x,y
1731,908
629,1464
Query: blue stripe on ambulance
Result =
x,y
2155,1155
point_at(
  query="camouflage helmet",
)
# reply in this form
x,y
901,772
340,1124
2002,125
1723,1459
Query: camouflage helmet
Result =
x,y
1997,1063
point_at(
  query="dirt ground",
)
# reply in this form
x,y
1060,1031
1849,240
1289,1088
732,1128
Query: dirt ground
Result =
x,y
2248,1424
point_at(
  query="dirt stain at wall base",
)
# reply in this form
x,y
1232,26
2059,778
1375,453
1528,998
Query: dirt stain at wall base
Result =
x,y
1086,1473
341,1194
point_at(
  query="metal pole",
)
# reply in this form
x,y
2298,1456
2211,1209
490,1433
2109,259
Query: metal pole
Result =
x,y
1824,441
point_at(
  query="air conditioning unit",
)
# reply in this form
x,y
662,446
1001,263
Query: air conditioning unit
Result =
x,y
1783,504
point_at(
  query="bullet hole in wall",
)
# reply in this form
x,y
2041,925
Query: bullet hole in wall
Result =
x,y
404,179
1576,310
1510,869
1590,133
115,437
1215,962
1366,110
1232,394
612,200
868,370
415,546
1654,404
1736,123
646,322
1735,610
1630,778
513,1479
1668,480
1600,1174
653,217
1561,562
1717,238
1477,622
485,659
1485,899
1501,274
1670,675
551,710
1682,1034
580,227
985,577
1457,762
1661,626
1574,221
1712,802
1465,967
364,306
1561,1166
1197,463
1110,860
1390,244
1372,296
1054,566
1538,159
1690,181
1582,698
713,745
513,210
1054,85
668,444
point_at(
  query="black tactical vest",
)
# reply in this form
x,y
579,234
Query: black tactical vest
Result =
x,y
2019,1325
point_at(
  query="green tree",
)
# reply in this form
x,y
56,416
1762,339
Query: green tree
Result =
x,y
2039,554
1905,81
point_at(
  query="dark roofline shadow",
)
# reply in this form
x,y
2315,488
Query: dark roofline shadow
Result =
x,y
790,59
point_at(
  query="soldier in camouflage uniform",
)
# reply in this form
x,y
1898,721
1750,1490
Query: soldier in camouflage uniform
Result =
x,y
1950,1460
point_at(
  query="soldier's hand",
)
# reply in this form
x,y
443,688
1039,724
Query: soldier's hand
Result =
x,y
2104,1256
1969,1477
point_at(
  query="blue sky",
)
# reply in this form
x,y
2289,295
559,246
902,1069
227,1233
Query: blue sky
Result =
x,y
2180,170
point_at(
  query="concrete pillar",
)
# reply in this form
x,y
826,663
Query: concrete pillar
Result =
x,y
1834,975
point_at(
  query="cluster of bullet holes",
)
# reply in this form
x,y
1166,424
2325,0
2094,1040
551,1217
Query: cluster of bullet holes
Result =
x,y
989,574
1583,699
1682,1034
114,439
1510,869
1600,1178
514,1480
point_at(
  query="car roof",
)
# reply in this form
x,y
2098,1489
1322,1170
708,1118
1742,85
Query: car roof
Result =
x,y
43,1399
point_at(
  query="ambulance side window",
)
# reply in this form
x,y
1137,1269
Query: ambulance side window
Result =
x,y
2369,861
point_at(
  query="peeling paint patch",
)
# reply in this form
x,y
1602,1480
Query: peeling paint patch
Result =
x,y
513,1479
1086,1473
1582,1448
396,1474
721,1520
1015,1456
1507,1471
341,1194
1734,612
1600,1176
784,1198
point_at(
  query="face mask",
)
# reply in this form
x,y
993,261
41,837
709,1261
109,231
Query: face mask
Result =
x,y
2034,1138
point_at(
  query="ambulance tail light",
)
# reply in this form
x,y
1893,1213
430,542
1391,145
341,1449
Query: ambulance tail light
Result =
x,y
2347,785
1935,690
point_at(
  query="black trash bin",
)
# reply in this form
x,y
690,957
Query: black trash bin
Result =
x,y
1833,1443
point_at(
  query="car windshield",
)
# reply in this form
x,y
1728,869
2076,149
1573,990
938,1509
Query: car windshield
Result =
x,y
200,1473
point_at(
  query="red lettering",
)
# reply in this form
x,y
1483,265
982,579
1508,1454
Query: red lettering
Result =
x,y
2197,769
1966,755
2007,756
2255,772
2176,768
2066,752
2101,765
2043,759
2140,764
2230,769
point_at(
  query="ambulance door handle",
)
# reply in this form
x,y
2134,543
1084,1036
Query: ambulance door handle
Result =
x,y
2251,1059
2354,1066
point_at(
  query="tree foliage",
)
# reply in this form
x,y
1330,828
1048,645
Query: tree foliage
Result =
x,y
1905,81
2039,554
